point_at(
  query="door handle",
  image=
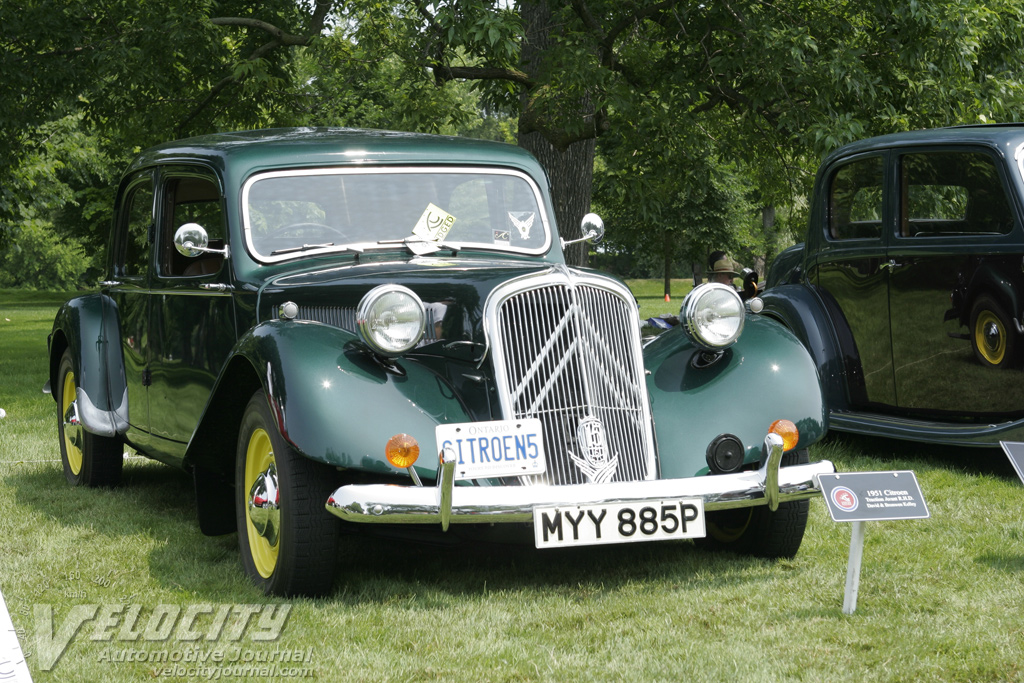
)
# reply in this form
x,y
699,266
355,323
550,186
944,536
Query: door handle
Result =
x,y
891,265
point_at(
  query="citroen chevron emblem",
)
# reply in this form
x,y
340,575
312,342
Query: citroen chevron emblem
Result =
x,y
595,463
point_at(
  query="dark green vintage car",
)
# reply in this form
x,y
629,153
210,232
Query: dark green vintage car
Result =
x,y
338,329
909,289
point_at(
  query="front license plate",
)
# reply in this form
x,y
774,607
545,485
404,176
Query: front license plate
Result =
x,y
660,520
499,448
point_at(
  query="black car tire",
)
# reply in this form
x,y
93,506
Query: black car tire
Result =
x,y
757,530
95,460
992,350
301,560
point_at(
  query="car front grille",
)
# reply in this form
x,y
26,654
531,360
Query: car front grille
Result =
x,y
567,351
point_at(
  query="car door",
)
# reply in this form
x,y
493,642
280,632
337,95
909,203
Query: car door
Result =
x,y
849,271
192,314
955,263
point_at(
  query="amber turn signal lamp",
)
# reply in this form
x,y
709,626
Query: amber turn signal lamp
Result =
x,y
402,451
788,431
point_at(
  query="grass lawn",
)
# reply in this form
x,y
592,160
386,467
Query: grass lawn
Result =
x,y
940,599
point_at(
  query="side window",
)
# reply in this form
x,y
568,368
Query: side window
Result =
x,y
855,201
137,219
952,193
191,199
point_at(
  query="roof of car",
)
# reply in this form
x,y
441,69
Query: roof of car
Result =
x,y
992,134
247,151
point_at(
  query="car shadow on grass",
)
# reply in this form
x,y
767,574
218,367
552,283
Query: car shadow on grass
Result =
x,y
891,454
155,508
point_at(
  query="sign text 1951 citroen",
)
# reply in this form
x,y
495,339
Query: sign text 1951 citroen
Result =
x,y
330,327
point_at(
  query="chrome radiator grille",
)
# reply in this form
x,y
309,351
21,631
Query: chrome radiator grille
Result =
x,y
568,352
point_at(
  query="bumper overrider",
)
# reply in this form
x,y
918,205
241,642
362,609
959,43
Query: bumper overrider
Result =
x,y
446,503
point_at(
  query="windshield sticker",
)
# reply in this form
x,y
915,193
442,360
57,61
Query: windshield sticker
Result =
x,y
523,220
502,236
434,224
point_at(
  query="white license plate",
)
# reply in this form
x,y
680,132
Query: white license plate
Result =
x,y
658,520
499,448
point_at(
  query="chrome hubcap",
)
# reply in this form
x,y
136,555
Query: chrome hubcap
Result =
x,y
264,505
72,425
991,333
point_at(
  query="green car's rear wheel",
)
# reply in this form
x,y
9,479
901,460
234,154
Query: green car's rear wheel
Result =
x,y
757,530
88,459
287,539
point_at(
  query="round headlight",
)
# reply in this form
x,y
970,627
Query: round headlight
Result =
x,y
712,316
391,319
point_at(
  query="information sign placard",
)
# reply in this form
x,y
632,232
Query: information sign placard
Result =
x,y
873,496
1015,452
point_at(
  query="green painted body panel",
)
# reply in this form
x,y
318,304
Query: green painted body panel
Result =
x,y
766,376
339,406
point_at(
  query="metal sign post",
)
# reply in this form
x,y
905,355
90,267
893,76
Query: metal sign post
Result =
x,y
860,497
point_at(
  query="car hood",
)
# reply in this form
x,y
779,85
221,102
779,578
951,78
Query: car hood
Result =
x,y
453,290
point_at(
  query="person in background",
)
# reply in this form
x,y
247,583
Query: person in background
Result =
x,y
722,269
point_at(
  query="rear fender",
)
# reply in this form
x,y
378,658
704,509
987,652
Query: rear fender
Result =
x,y
330,398
765,376
88,326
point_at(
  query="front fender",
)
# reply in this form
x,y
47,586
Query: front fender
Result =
x,y
339,406
799,310
765,376
88,326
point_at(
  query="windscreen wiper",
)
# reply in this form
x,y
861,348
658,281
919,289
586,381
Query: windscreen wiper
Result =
x,y
304,247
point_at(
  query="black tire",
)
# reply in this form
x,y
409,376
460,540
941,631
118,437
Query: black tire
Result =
x,y
299,559
992,334
88,459
758,531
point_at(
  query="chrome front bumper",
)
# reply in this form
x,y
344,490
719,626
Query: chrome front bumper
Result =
x,y
445,503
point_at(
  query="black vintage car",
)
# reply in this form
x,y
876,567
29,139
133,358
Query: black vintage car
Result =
x,y
909,289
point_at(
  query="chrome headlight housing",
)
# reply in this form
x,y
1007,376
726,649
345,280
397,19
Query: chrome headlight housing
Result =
x,y
391,319
712,316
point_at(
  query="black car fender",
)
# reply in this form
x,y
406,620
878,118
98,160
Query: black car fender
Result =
x,y
88,326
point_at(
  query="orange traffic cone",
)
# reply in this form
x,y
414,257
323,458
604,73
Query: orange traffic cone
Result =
x,y
667,298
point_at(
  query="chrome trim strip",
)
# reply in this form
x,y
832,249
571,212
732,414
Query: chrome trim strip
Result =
x,y
387,504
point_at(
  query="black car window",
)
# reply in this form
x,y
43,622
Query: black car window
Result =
x,y
855,201
952,193
191,199
138,221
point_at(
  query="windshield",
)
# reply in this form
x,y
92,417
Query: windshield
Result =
x,y
289,214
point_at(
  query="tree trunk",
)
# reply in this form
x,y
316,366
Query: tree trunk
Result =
x,y
668,264
571,172
771,239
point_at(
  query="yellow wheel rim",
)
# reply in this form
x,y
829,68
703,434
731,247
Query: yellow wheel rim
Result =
x,y
69,395
991,349
259,456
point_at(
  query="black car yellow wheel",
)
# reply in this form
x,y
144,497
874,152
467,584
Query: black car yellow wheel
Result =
x,y
757,530
992,333
88,459
287,539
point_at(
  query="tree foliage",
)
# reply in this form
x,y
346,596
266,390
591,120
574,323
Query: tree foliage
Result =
x,y
684,101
